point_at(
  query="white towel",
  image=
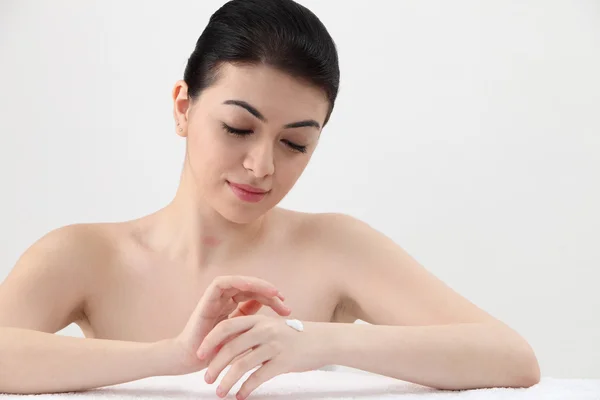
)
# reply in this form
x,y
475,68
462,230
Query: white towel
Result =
x,y
332,385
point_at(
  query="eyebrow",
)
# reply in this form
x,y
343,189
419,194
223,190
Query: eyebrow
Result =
x,y
252,110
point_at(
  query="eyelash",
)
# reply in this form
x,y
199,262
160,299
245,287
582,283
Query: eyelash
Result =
x,y
244,132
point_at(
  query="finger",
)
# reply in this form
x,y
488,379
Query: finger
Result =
x,y
209,357
240,356
268,371
230,351
274,302
246,308
252,360
228,285
223,330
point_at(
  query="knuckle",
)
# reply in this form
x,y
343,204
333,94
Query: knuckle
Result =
x,y
228,352
225,354
263,329
243,365
232,352
253,381
269,330
214,285
220,328
261,319
276,347
239,368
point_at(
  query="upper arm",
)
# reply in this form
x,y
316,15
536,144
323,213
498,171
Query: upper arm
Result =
x,y
45,290
384,285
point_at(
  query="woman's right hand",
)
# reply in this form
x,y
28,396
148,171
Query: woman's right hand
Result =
x,y
226,297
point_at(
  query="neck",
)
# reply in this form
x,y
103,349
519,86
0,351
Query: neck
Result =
x,y
188,230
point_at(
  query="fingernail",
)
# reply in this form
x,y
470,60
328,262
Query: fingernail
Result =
x,y
220,391
239,397
207,377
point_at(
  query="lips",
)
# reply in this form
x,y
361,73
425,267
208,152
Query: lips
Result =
x,y
248,193
248,188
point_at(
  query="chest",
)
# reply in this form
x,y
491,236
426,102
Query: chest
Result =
x,y
150,302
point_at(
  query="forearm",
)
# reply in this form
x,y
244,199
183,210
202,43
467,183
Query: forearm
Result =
x,y
34,362
461,356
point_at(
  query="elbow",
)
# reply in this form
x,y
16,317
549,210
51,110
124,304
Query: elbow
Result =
x,y
528,378
522,364
531,375
526,372
519,362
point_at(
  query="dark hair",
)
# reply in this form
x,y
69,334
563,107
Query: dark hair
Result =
x,y
279,33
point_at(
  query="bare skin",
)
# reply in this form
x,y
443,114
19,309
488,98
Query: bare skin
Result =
x,y
144,297
144,283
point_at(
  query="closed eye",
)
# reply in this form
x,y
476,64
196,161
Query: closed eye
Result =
x,y
246,132
295,147
238,132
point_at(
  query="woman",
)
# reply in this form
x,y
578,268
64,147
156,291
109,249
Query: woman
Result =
x,y
184,289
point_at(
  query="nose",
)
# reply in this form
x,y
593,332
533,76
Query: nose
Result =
x,y
260,160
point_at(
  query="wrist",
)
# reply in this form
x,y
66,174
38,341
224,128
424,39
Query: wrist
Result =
x,y
346,344
172,358
324,340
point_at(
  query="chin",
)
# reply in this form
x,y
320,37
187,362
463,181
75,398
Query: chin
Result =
x,y
241,214
241,217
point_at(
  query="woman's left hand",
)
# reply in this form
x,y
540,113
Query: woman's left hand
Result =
x,y
255,341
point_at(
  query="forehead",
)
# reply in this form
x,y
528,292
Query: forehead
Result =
x,y
277,95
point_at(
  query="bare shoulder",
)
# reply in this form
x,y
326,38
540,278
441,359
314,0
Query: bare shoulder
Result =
x,y
321,231
333,241
75,245
347,242
382,283
47,287
340,232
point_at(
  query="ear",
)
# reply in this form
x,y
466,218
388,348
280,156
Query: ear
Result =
x,y
181,104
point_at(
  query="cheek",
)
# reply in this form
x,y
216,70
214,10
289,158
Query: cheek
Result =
x,y
204,156
214,158
288,172
207,148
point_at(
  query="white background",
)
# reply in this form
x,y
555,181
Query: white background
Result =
x,y
467,131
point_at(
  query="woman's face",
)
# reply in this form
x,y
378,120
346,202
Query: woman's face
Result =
x,y
255,126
